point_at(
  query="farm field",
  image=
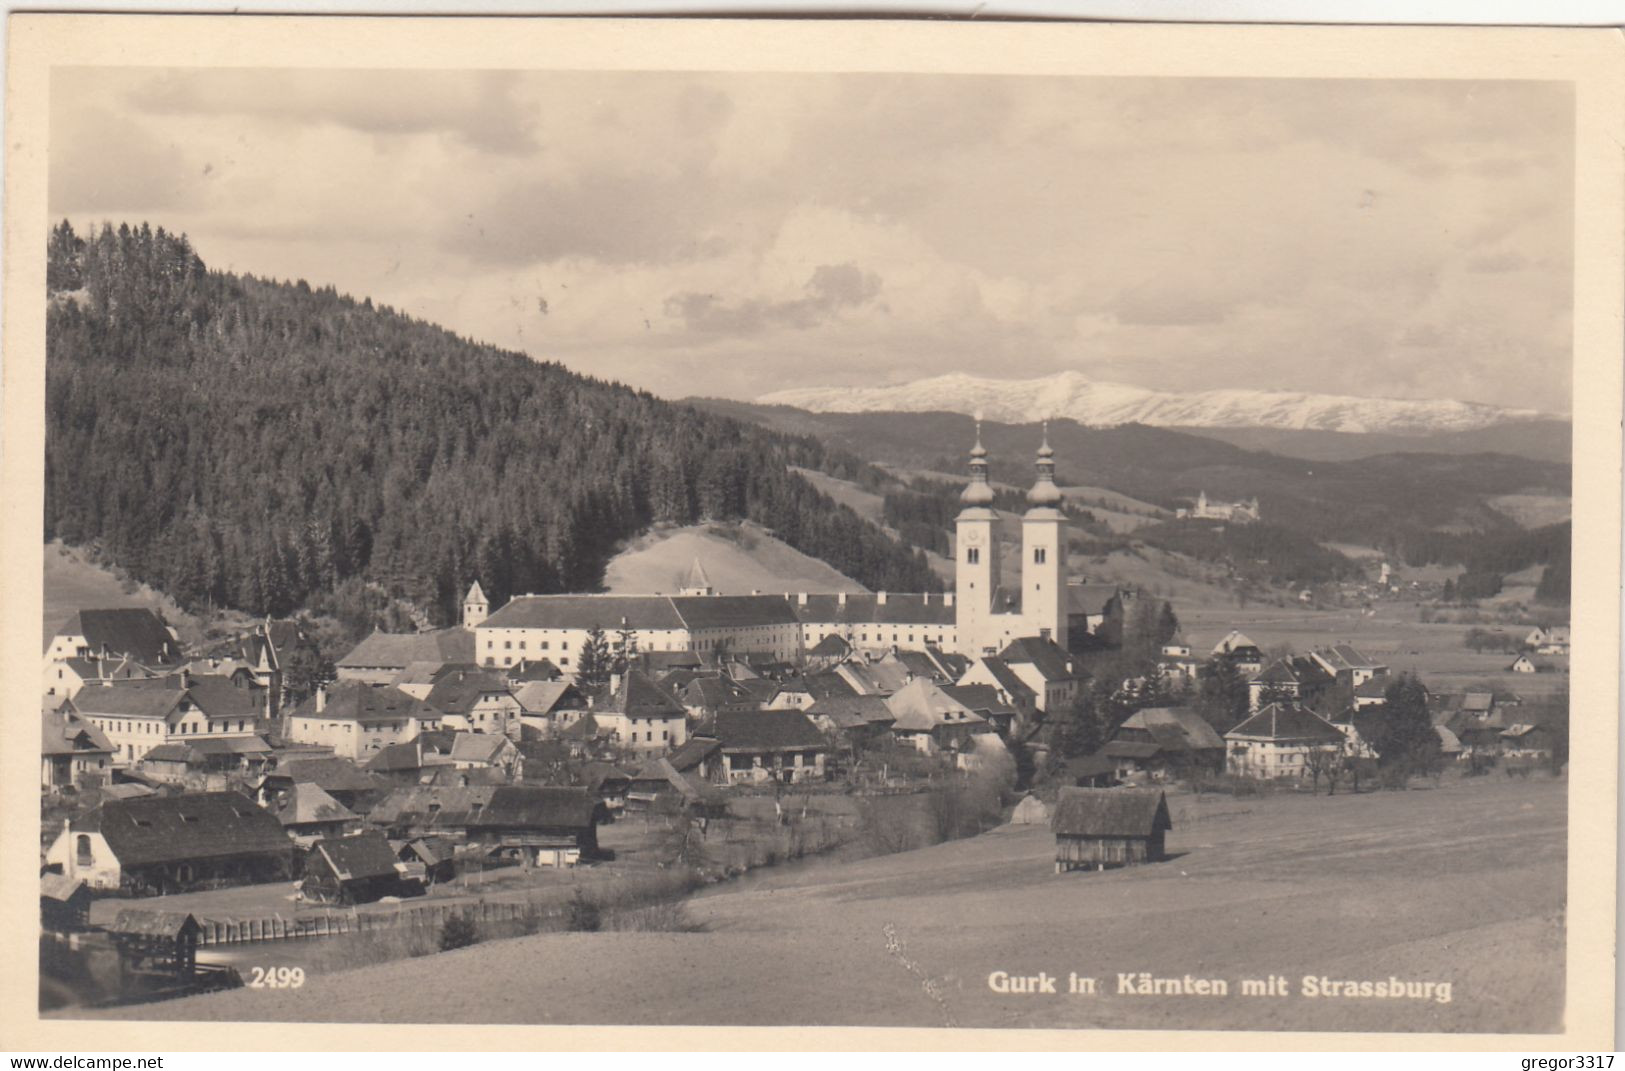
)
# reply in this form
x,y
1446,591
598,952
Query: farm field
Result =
x,y
1462,884
1437,652
73,583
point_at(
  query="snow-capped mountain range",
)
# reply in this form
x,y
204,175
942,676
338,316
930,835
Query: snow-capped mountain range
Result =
x,y
1072,395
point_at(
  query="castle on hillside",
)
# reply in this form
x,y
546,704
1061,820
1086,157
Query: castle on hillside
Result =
x,y
1206,509
982,615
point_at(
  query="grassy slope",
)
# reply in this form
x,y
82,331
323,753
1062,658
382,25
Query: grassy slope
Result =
x,y
755,561
73,583
1462,884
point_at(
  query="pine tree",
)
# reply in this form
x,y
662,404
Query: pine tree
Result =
x,y
1403,734
595,664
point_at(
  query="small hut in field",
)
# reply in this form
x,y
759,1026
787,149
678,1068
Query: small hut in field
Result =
x,y
1030,812
1101,827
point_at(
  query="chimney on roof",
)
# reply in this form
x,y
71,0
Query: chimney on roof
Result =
x,y
614,683
947,598
801,598
880,599
186,677
840,600
321,698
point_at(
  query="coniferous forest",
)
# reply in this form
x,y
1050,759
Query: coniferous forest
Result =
x,y
269,446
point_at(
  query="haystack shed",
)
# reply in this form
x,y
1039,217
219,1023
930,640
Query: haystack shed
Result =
x,y
1101,827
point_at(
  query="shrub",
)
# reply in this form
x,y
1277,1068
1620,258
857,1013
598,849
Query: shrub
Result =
x,y
458,932
582,915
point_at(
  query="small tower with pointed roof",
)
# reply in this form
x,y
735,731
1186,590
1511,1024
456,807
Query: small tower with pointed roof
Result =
x,y
1043,549
976,554
696,582
475,606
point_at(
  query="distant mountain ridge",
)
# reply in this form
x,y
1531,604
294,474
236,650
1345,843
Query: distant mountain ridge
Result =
x,y
1074,396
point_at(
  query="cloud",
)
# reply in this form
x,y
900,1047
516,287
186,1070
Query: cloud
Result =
x,y
832,289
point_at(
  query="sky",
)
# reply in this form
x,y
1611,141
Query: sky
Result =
x,y
735,234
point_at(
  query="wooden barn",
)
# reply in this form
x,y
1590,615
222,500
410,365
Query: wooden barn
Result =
x,y
1101,827
356,870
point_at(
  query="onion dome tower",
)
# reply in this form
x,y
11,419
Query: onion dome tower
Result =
x,y
976,557
1043,553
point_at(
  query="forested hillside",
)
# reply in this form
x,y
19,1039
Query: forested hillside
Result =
x,y
268,445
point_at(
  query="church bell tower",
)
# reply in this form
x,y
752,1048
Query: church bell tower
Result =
x,y
976,553
1043,550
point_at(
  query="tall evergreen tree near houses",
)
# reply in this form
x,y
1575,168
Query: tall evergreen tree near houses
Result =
x,y
595,663
626,649
1403,735
1221,697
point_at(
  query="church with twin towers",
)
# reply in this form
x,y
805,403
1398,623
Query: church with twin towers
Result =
x,y
982,614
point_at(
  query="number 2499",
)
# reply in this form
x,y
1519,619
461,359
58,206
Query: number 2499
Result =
x,y
276,977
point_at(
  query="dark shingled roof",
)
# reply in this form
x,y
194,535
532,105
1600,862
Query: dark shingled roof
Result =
x,y
828,685
1007,679
767,730
831,646
586,611
695,750
982,698
458,689
868,709
366,703
733,611
640,697
138,698
1286,722
332,774
387,650
161,829
1109,812
133,631
1089,598
537,807
1054,663
364,855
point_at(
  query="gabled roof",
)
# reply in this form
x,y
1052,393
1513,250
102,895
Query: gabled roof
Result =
x,y
982,698
532,669
367,704
160,829
1109,812
585,727
358,857
1007,679
1476,702
1089,599
333,774
875,678
1044,655
544,697
137,698
1343,656
831,646
586,611
1175,727
387,650
173,753
1371,688
459,689
133,631
63,732
537,807
217,697
828,685
694,751
477,747
640,697
733,611
305,802
922,705
1286,723
696,578
866,709
391,757
715,693
1232,641
767,730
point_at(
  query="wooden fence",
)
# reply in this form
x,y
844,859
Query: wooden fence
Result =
x,y
335,923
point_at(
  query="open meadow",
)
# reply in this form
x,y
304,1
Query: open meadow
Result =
x,y
1461,884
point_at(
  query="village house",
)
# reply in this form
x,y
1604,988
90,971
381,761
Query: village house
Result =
x,y
487,751
1528,741
308,813
641,716
64,679
984,700
64,904
1240,652
1348,666
383,656
1548,640
1042,665
138,715
1162,742
874,678
408,763
1176,662
1299,680
1277,742
73,752
474,700
1524,664
113,635
771,745
340,778
1088,605
535,825
875,622
164,844
931,721
1099,827
355,870
357,719
1012,690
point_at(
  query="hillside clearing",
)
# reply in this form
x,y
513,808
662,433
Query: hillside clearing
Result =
x,y
1462,884
73,582
739,559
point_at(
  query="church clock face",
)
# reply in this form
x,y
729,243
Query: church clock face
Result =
x,y
973,536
